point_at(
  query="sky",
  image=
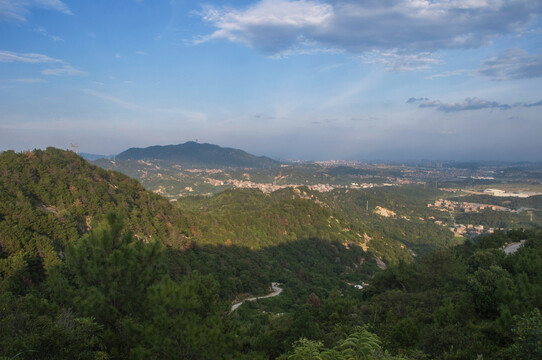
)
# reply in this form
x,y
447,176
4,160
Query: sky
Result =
x,y
290,79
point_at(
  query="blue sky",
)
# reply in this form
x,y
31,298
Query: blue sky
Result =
x,y
291,79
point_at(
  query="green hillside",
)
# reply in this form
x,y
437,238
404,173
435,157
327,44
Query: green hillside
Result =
x,y
253,219
92,266
57,195
413,223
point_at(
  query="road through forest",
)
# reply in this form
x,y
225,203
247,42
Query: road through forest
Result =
x,y
276,291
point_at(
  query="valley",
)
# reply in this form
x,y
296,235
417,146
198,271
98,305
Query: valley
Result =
x,y
92,255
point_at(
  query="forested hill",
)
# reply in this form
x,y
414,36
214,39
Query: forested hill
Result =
x,y
72,288
250,218
48,198
203,155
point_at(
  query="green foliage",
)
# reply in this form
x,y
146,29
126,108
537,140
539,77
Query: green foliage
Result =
x,y
404,335
111,270
50,198
361,345
32,328
358,345
410,204
462,302
488,288
184,321
527,336
254,219
122,282
305,349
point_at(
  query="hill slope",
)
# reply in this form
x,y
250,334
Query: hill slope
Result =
x,y
192,153
49,198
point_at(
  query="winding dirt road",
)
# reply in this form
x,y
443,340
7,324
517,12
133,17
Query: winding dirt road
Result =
x,y
276,291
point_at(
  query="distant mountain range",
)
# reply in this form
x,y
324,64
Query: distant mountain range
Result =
x,y
193,153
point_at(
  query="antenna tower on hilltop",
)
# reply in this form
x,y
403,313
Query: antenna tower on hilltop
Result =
x,y
74,148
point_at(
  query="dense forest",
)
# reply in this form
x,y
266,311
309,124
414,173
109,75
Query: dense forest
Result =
x,y
93,266
251,218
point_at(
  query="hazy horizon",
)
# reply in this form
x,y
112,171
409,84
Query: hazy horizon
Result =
x,y
290,79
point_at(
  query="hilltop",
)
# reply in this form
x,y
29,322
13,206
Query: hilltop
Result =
x,y
202,155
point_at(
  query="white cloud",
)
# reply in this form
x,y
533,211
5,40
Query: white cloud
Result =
x,y
45,33
64,70
410,26
31,58
19,9
271,25
473,103
430,103
512,64
395,61
447,74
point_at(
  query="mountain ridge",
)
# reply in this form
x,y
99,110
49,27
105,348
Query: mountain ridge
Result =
x,y
193,153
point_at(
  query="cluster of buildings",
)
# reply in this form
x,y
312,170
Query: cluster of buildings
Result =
x,y
353,163
471,230
465,206
268,187
247,184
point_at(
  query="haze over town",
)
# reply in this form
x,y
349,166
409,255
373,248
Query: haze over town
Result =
x,y
320,80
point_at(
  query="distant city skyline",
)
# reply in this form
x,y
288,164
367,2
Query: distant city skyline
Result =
x,y
288,79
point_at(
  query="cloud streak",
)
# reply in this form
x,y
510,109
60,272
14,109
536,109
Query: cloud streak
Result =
x,y
64,70
512,64
138,107
396,61
32,58
19,9
45,33
473,103
409,26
